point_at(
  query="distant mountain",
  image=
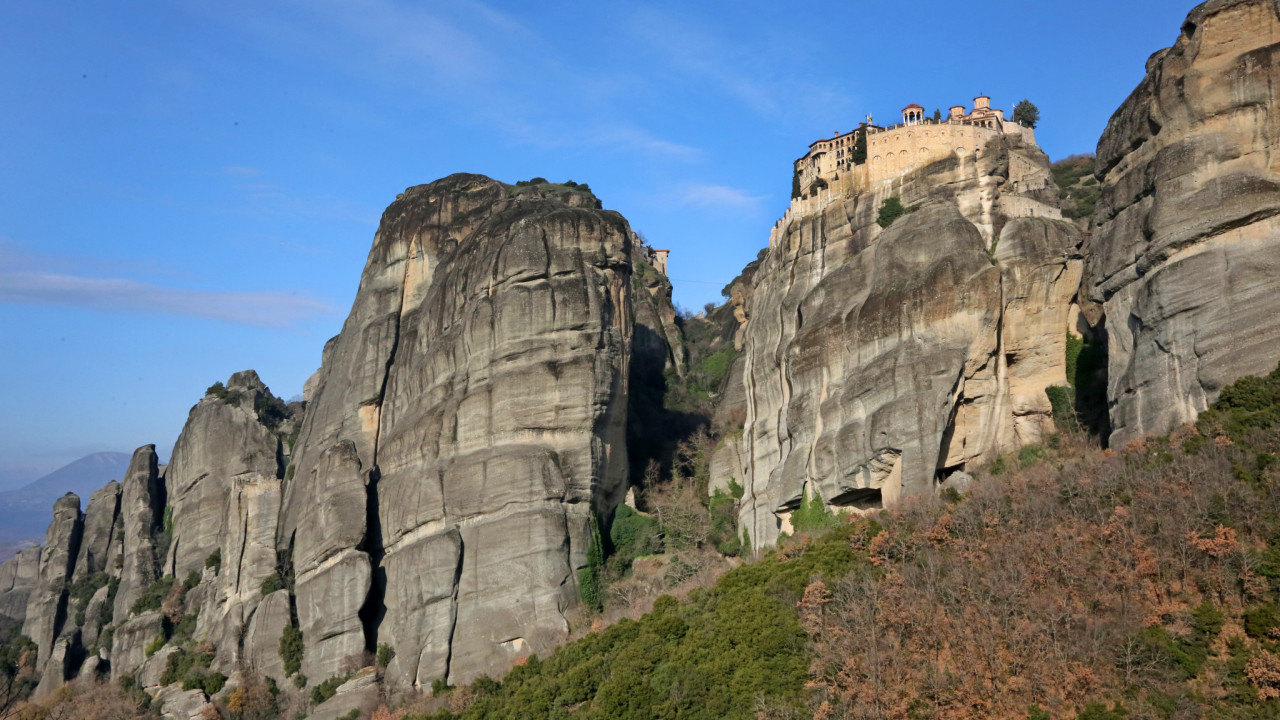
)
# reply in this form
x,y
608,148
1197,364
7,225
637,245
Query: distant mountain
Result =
x,y
26,512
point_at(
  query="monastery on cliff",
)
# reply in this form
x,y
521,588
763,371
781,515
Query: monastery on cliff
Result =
x,y
892,151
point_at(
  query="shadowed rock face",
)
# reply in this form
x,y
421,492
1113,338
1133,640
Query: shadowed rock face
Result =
x,y
464,425
1187,242
47,607
142,503
877,362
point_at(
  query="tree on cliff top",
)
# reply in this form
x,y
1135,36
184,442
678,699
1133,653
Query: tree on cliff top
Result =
x,y
1026,114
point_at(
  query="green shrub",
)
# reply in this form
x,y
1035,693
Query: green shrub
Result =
x,y
713,369
716,655
271,584
214,561
213,683
193,579
1247,404
291,649
155,645
1062,400
1260,621
890,210
1029,455
153,596
219,391
859,151
353,715
723,508
299,680
189,668
633,535
589,575
185,628
386,654
813,515
327,689
440,686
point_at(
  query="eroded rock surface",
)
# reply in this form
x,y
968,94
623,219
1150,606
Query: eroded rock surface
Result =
x,y
879,362
18,577
464,425
1186,244
47,605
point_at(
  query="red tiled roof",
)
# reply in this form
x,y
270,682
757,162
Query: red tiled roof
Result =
x,y
913,105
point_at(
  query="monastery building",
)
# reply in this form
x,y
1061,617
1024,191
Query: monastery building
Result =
x,y
894,150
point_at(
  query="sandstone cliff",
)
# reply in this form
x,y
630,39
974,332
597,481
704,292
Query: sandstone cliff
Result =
x,y
1187,239
878,363
466,422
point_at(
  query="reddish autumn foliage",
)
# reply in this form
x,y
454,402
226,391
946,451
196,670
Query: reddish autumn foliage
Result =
x,y
1125,577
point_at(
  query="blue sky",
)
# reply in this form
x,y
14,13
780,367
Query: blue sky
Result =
x,y
188,189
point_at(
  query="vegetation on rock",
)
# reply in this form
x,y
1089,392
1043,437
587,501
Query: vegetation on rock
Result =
x,y
1088,584
291,649
890,210
1078,189
1026,114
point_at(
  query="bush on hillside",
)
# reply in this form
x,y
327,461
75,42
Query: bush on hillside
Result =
x,y
689,660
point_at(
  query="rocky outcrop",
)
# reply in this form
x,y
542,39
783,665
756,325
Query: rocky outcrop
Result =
x,y
225,446
47,605
262,636
1187,239
130,641
142,503
358,694
880,362
464,425
101,547
224,493
18,577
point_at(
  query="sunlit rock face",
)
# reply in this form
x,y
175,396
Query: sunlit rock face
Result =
x,y
464,425
1187,241
878,362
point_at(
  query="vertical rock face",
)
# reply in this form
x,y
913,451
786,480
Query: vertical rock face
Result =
x,y
1187,240
142,502
47,607
224,446
18,577
224,494
464,425
877,363
100,548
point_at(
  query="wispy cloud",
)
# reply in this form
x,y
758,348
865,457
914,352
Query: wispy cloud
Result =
x,y
272,309
239,171
472,60
771,76
612,137
720,196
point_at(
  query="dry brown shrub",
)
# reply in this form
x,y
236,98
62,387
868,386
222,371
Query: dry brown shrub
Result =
x,y
461,699
172,606
1036,588
1263,671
